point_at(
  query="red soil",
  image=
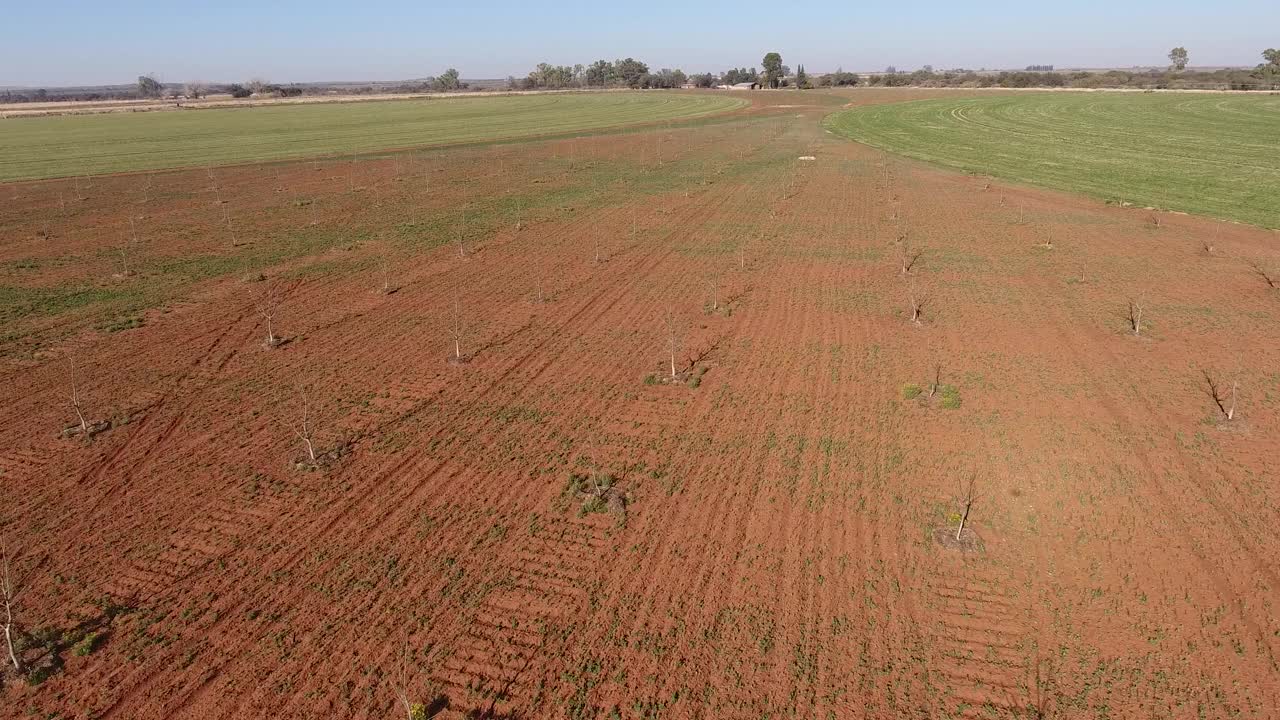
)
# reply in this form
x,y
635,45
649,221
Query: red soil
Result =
x,y
778,553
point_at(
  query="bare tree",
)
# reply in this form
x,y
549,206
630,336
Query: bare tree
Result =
x,y
304,424
73,394
412,710
268,304
1208,245
384,267
125,250
714,284
6,589
226,218
917,300
674,336
462,236
969,499
908,256
1135,314
257,85
937,380
1272,280
194,89
1226,401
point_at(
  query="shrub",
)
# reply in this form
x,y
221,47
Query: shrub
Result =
x,y
911,391
418,711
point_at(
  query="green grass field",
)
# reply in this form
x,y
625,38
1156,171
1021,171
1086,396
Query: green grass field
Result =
x,y
1212,154
64,146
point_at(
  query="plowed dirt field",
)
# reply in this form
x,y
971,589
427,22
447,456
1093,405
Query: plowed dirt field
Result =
x,y
551,527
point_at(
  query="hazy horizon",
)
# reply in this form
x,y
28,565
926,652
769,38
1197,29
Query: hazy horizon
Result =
x,y
396,40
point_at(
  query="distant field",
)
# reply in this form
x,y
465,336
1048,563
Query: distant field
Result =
x,y
1217,155
66,146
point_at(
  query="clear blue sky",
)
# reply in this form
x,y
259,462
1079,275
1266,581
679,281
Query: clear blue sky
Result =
x,y
82,42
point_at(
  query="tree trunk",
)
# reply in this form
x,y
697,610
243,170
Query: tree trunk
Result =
x,y
8,638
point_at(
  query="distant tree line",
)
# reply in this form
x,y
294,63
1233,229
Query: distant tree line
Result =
x,y
627,72
632,73
1266,76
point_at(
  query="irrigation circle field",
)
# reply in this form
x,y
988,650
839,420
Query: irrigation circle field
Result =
x,y
67,146
1214,154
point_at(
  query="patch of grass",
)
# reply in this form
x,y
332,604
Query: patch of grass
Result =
x,y
950,397
695,379
1212,154
911,391
124,323
87,644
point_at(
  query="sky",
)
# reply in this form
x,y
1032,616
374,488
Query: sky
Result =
x,y
78,42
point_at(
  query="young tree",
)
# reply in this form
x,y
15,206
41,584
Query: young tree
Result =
x,y
908,256
802,79
917,300
1178,59
385,267
1135,314
937,380
74,397
268,304
125,250
303,424
457,331
412,710
1272,281
462,235
674,336
969,499
6,589
1225,400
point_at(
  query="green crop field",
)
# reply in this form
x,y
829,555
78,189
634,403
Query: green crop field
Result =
x,y
1212,154
62,146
